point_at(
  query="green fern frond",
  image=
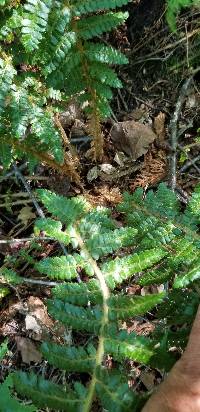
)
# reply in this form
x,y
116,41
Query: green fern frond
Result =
x,y
45,393
105,74
96,25
89,6
10,276
67,210
3,349
34,23
184,279
70,358
77,317
120,269
79,294
124,307
114,392
104,54
122,345
6,155
8,402
63,267
106,243
158,277
97,308
7,73
53,229
179,308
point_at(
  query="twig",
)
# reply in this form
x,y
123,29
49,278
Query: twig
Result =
x,y
25,239
9,174
28,189
174,127
37,206
191,162
40,282
167,47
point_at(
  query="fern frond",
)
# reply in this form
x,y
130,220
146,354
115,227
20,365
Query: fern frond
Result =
x,y
96,25
70,358
77,317
105,75
185,279
63,267
118,270
104,54
67,210
8,402
124,307
53,229
89,6
7,73
3,349
6,155
122,345
79,294
106,243
34,23
45,393
114,392
157,277
10,276
179,307
193,207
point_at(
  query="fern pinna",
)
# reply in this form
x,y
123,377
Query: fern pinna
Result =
x,y
47,57
157,244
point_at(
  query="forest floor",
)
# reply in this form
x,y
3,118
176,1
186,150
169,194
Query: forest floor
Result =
x,y
159,65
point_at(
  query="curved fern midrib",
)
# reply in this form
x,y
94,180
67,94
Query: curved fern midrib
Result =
x,y
104,322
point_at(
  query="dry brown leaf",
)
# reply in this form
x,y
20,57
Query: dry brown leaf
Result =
x,y
159,126
26,214
28,350
37,319
132,137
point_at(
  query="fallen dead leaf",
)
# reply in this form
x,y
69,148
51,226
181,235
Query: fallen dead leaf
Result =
x,y
92,174
132,137
37,319
28,350
26,214
159,126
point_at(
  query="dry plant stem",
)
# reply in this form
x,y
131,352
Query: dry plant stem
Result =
x,y
174,128
100,349
37,206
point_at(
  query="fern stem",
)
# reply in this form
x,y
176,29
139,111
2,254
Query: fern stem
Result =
x,y
104,321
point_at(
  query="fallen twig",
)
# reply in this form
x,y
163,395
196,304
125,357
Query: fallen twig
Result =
x,y
37,206
191,162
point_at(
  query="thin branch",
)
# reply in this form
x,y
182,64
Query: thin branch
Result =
x,y
40,282
25,239
191,162
37,206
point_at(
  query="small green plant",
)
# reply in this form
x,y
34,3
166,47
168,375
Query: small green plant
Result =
x,y
157,244
47,56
